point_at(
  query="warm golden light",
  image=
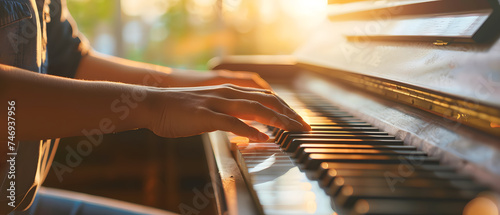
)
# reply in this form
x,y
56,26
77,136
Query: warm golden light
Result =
x,y
347,190
484,204
362,206
148,10
240,140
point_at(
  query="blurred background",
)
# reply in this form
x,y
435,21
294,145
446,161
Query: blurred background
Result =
x,y
187,33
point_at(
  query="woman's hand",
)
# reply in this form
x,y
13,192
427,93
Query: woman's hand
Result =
x,y
178,112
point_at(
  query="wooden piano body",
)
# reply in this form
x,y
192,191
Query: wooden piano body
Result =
x,y
426,72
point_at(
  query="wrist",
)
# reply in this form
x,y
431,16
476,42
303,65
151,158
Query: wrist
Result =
x,y
144,97
153,107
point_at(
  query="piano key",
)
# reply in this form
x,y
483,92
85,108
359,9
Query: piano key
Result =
x,y
409,207
322,125
337,116
297,142
342,120
404,169
349,195
314,160
292,137
274,157
331,111
460,183
281,164
258,151
341,128
356,124
277,132
259,161
284,135
305,154
304,146
331,174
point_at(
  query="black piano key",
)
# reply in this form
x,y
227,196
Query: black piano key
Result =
x,y
331,174
349,195
341,128
401,168
408,207
278,132
338,183
285,134
342,120
343,124
297,142
302,147
305,154
314,160
287,138
275,131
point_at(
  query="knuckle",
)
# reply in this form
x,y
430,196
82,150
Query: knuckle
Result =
x,y
255,104
226,89
233,121
200,111
229,86
273,97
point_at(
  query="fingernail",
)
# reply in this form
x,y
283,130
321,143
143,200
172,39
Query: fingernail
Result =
x,y
307,126
261,137
298,125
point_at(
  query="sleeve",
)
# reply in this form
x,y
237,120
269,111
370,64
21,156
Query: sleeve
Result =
x,y
65,45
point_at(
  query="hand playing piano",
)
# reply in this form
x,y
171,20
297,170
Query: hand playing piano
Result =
x,y
179,112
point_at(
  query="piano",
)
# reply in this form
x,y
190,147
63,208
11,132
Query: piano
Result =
x,y
404,100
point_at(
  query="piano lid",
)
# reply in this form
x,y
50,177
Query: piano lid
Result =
x,y
445,46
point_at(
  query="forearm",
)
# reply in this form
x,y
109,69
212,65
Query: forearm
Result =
x,y
97,66
49,106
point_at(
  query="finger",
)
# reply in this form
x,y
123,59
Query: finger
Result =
x,y
247,89
253,110
246,79
254,82
224,122
269,100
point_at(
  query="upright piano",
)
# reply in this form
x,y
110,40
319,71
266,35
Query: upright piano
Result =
x,y
404,100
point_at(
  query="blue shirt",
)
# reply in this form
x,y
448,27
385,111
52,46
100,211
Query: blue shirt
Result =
x,y
39,36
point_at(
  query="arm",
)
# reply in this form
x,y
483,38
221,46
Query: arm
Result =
x,y
49,107
95,66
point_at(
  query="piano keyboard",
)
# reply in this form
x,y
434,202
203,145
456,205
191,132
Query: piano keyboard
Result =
x,y
347,166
